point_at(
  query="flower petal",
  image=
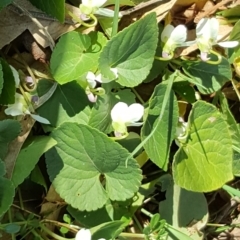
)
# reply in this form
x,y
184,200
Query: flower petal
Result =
x,y
204,56
166,32
91,79
83,234
87,3
105,12
179,34
228,44
203,28
15,109
91,97
214,28
98,78
98,3
119,112
39,118
135,112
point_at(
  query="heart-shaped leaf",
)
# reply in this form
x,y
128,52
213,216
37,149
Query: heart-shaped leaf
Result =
x,y
204,162
131,52
88,168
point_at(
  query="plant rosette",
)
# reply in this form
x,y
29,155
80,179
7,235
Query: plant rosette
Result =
x,y
207,36
123,116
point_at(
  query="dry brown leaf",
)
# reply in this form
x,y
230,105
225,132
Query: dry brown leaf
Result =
x,y
162,10
16,145
51,208
12,25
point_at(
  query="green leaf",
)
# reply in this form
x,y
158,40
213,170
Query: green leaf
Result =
x,y
7,191
158,146
100,117
9,130
236,163
88,168
204,162
131,52
29,156
185,91
75,54
8,91
167,94
4,3
232,125
1,79
68,103
108,230
208,78
37,177
183,209
52,7
231,12
233,53
110,212
12,228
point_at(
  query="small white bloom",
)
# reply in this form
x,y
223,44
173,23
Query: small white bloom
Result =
x,y
92,80
20,108
84,234
181,130
173,38
95,7
207,36
123,115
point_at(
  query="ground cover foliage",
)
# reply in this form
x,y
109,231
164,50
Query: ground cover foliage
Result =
x,y
120,121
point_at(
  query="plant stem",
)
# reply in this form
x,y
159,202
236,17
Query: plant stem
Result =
x,y
144,211
115,18
54,235
133,235
137,222
138,96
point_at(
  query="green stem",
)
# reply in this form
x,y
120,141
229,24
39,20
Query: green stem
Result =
x,y
164,59
138,96
115,18
54,235
10,220
138,223
133,235
231,191
77,19
219,56
36,234
20,199
144,211
119,138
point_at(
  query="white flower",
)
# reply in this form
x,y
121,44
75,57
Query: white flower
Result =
x,y
84,234
123,115
181,130
20,108
92,80
207,36
173,38
89,7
